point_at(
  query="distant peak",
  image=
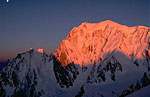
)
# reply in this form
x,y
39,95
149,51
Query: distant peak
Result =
x,y
110,22
40,50
105,21
30,49
84,23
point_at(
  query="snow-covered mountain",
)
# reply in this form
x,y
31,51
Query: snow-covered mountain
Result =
x,y
103,59
91,42
29,74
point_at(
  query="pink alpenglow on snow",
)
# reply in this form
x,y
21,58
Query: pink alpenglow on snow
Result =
x,y
40,50
30,49
91,42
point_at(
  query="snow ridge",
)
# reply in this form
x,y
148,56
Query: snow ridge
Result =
x,y
89,42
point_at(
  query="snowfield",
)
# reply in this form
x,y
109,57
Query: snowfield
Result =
x,y
145,92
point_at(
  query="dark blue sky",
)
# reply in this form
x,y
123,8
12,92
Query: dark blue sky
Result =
x,y
45,23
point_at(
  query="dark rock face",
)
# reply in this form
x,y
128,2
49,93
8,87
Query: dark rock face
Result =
x,y
65,75
2,65
97,74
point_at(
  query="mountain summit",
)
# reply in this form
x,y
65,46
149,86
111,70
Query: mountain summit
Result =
x,y
90,42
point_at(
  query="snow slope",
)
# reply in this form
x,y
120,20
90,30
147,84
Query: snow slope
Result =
x,y
145,92
26,74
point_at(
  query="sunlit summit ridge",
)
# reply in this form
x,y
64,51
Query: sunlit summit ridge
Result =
x,y
90,42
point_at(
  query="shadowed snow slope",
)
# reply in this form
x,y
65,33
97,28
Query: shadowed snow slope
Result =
x,y
145,92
